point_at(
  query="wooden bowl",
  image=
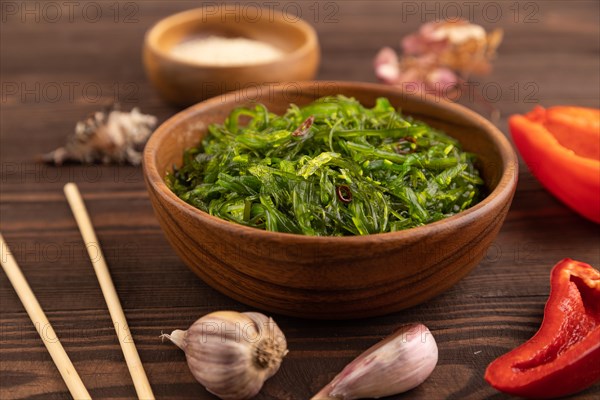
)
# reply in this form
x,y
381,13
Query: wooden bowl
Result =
x,y
331,277
184,83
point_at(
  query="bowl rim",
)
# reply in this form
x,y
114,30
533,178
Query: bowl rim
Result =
x,y
499,195
157,30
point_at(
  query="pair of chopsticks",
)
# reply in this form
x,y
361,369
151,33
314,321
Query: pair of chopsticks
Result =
x,y
33,308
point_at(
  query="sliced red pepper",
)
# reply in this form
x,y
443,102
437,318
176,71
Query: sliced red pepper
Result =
x,y
576,128
571,177
564,355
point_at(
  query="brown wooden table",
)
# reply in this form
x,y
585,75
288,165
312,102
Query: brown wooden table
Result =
x,y
60,63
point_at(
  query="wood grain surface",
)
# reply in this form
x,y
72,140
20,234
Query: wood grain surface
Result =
x,y
56,68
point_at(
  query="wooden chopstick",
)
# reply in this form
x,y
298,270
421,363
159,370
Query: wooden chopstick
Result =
x,y
41,323
136,369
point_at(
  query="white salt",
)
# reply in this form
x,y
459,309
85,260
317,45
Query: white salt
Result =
x,y
221,51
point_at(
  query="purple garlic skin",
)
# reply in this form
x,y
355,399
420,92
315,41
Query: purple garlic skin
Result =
x,y
395,365
232,354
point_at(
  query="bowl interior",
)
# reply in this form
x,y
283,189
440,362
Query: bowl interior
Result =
x,y
474,133
264,25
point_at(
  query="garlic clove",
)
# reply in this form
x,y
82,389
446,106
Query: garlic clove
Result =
x,y
232,354
398,363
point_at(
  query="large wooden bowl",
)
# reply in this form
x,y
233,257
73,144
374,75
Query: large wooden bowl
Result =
x,y
184,83
331,277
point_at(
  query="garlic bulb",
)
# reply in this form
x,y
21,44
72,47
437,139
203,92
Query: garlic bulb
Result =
x,y
398,363
232,354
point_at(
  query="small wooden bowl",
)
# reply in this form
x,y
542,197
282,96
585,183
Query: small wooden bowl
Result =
x,y
184,83
331,277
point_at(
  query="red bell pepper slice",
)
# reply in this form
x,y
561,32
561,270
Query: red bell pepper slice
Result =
x,y
564,355
570,172
576,128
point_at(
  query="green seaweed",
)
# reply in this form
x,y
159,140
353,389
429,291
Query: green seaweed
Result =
x,y
284,173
